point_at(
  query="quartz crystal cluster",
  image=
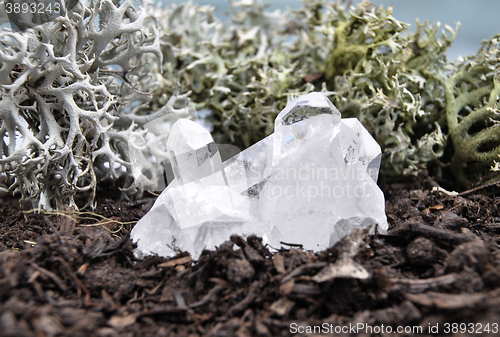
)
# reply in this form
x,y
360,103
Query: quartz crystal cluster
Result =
x,y
311,182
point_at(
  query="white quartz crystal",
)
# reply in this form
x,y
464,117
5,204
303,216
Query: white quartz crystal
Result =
x,y
311,182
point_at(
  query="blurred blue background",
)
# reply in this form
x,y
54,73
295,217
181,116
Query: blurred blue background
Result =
x,y
479,19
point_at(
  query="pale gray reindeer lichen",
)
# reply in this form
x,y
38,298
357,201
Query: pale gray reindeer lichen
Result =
x,y
74,94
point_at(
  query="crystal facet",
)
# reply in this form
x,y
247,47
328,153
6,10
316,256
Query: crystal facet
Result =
x,y
193,152
311,182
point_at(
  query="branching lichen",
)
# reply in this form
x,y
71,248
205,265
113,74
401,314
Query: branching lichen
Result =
x,y
473,95
66,92
91,95
368,63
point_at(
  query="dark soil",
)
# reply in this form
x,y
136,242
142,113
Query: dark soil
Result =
x,y
438,269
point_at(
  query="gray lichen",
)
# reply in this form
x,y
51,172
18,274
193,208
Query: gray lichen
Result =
x,y
66,86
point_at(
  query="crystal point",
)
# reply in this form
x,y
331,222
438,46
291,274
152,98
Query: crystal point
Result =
x,y
311,182
193,151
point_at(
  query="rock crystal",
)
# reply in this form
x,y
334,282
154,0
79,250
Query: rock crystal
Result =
x,y
311,182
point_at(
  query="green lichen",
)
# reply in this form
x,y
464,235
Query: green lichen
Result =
x,y
472,98
385,76
365,60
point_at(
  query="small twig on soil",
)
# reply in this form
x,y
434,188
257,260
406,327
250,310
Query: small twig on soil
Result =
x,y
175,262
51,225
181,303
431,232
298,245
243,304
67,223
60,284
419,286
251,254
302,269
496,184
208,297
279,263
79,285
489,300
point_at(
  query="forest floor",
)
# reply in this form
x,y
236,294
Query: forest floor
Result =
x,y
435,272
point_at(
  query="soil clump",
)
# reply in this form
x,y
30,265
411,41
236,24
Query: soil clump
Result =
x,y
74,274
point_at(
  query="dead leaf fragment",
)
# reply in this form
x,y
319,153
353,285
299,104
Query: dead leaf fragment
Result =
x,y
121,321
345,268
279,263
282,306
436,207
175,262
